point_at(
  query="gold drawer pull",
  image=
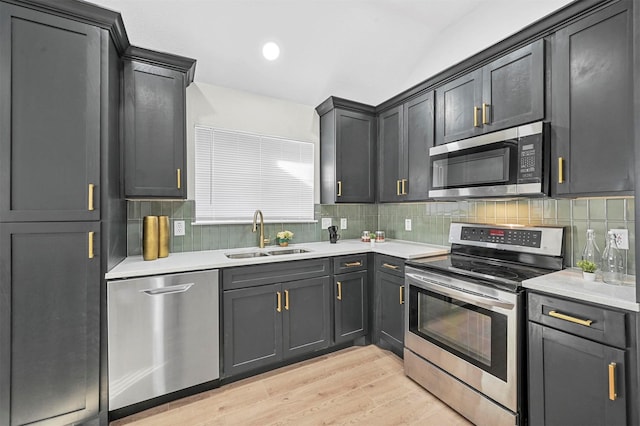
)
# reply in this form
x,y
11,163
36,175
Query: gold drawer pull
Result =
x,y
286,299
560,170
612,381
475,116
279,307
398,183
339,290
570,318
91,207
402,295
390,266
179,178
485,113
339,188
404,187
91,252
352,264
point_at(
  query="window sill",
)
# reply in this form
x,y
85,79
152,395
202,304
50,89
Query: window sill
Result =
x,y
242,222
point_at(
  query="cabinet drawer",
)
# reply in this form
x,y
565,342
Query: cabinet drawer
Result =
x,y
593,322
390,264
350,263
270,273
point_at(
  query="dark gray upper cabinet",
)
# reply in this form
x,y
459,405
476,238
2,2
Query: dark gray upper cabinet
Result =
x,y
347,152
405,134
580,374
592,105
49,117
457,105
50,314
507,92
391,158
154,125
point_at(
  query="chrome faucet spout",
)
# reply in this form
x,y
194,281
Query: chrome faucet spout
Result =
x,y
255,226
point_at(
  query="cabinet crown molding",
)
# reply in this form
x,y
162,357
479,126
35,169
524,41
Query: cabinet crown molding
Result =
x,y
335,102
167,60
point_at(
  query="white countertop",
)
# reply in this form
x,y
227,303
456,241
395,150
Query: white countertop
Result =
x,y
135,266
569,283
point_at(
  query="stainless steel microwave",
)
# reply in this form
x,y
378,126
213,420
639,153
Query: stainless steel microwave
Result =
x,y
509,163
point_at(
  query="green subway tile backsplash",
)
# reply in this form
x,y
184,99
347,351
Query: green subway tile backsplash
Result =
x,y
429,222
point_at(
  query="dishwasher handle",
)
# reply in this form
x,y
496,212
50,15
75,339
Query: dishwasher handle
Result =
x,y
181,288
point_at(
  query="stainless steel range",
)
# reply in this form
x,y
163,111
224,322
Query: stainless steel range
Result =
x,y
464,322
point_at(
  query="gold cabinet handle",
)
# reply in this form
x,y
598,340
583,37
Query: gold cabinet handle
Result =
x,y
352,264
485,113
612,381
569,318
91,252
390,266
475,116
560,170
91,207
402,295
339,290
179,178
398,183
279,307
286,299
404,187
339,188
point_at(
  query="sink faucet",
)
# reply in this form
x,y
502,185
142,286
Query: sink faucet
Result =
x,y
255,227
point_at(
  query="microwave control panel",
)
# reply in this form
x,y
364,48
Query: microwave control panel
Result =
x,y
514,237
530,159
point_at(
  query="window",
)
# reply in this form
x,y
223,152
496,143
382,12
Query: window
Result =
x,y
238,173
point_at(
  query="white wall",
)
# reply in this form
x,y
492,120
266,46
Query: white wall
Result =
x,y
231,109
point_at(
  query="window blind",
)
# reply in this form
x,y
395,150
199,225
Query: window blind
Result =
x,y
238,173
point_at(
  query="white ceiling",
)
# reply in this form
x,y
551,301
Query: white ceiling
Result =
x,y
364,50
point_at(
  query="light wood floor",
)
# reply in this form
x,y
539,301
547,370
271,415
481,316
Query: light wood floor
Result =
x,y
358,385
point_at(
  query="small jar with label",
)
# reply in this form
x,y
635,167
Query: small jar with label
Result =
x,y
365,237
379,236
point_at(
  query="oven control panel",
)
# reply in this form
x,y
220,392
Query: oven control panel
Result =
x,y
515,237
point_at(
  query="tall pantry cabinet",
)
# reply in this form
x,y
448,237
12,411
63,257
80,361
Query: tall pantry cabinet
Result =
x,y
62,216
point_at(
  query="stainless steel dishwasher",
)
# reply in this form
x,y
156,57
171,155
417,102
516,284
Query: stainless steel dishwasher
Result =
x,y
163,335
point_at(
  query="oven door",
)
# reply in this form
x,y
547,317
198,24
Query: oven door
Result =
x,y
467,329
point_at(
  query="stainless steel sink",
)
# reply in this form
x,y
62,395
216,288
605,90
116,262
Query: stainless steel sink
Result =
x,y
288,251
245,255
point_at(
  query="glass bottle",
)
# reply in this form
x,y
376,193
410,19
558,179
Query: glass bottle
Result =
x,y
591,251
612,262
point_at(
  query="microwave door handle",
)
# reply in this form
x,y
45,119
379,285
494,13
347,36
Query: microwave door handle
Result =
x,y
459,294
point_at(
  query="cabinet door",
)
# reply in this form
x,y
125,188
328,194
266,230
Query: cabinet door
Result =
x,y
49,117
351,306
593,104
307,316
458,108
570,380
390,307
513,88
355,157
418,138
154,123
49,322
252,328
391,155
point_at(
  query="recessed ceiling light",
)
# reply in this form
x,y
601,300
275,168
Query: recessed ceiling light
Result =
x,y
271,51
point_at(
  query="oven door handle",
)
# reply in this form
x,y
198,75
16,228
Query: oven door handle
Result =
x,y
461,294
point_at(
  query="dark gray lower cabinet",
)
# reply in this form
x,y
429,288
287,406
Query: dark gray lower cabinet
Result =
x,y
351,306
269,323
579,364
389,303
49,322
390,311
